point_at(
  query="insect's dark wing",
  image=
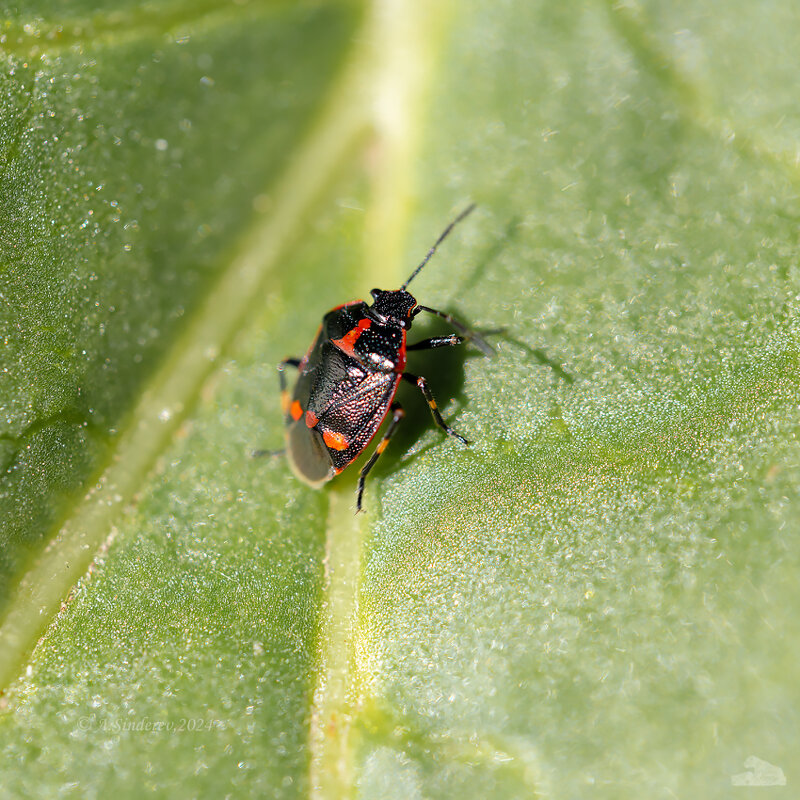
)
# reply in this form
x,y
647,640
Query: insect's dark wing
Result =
x,y
332,394
357,404
308,456
338,402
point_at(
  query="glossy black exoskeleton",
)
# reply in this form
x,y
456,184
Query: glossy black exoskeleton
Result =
x,y
349,376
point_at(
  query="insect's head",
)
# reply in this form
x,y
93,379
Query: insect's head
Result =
x,y
397,306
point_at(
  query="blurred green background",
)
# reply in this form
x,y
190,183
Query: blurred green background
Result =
x,y
598,598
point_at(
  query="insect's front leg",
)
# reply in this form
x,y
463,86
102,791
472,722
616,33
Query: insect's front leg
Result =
x,y
437,341
466,332
422,385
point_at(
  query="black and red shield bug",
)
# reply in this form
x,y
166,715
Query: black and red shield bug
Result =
x,y
349,376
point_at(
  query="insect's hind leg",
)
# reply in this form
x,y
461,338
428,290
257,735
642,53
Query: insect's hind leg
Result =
x,y
422,385
397,415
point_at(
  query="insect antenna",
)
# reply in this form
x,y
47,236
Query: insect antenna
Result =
x,y
446,231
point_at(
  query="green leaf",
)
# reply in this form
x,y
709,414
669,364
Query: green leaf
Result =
x,y
598,597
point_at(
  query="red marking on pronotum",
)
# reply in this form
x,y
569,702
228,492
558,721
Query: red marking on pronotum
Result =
x,y
348,341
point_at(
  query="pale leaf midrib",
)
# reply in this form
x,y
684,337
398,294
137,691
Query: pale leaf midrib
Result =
x,y
406,36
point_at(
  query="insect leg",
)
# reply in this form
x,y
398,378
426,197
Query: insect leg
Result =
x,y
271,453
437,341
287,362
467,333
422,385
397,415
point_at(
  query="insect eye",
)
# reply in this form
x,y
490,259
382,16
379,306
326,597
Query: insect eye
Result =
x,y
375,292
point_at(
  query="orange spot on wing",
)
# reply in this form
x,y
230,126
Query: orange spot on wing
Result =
x,y
348,341
311,419
336,441
296,411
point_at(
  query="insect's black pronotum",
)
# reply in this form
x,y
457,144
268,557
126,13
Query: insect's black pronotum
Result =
x,y
350,374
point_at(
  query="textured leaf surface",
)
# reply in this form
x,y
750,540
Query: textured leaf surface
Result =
x,y
599,597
